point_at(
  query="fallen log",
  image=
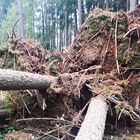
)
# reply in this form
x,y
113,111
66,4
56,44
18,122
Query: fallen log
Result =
x,y
93,125
17,80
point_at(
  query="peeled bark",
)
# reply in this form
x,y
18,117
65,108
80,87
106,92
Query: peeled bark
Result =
x,y
93,125
17,80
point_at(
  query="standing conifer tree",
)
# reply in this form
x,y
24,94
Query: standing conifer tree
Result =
x,y
21,32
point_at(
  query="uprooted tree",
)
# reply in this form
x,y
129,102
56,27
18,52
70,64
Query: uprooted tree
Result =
x,y
102,64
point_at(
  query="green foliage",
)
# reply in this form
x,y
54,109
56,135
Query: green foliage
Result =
x,y
5,130
95,24
8,106
5,4
8,23
103,17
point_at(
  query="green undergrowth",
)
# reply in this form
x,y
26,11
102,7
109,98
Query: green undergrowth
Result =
x,y
94,26
6,130
8,108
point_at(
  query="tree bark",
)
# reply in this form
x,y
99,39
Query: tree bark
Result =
x,y
75,19
80,12
93,125
133,4
17,80
21,32
66,24
128,3
108,4
32,16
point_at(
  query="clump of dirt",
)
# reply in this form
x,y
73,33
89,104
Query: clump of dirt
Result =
x,y
19,135
29,55
108,45
103,40
110,41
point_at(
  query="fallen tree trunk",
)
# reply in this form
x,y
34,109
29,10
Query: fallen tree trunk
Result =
x,y
93,125
17,80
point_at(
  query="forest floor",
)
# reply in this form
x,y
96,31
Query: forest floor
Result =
x,y
103,59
